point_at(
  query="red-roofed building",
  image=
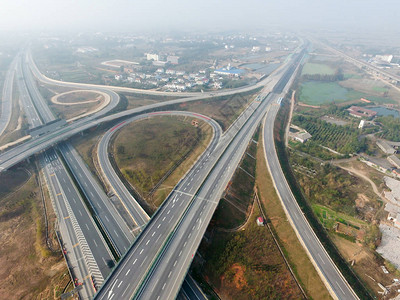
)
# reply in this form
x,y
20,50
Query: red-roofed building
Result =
x,y
360,112
260,221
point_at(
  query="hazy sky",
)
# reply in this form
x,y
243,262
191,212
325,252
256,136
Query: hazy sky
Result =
x,y
145,15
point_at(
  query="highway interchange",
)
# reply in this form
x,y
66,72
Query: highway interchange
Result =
x,y
156,263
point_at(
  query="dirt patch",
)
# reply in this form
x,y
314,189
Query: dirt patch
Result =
x,y
238,279
28,269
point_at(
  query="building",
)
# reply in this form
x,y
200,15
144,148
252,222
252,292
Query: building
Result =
x,y
394,160
260,221
360,112
302,137
152,56
385,147
173,59
361,125
384,58
229,71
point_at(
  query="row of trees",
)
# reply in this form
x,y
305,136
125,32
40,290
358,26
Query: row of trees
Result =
x,y
390,128
337,76
343,139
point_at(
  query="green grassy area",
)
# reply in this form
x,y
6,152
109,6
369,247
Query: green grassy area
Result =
x,y
329,217
321,93
314,68
380,89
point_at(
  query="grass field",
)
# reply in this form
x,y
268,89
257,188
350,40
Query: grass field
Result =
x,y
314,68
328,217
146,150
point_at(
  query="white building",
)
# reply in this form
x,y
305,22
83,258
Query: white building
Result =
x,y
152,56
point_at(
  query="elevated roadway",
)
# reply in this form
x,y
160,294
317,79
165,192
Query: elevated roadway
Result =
x,y
19,153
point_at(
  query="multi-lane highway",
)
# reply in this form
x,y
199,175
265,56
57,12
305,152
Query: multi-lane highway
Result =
x,y
96,255
98,259
7,96
118,232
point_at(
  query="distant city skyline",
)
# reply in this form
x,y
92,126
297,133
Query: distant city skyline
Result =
x,y
210,15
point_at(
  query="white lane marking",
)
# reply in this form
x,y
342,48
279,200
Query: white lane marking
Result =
x,y
91,194
107,219
127,272
87,226
95,242
168,212
340,287
143,261
158,226
134,261
116,233
190,234
180,253
321,258
164,286
147,242
184,245
158,238
141,251
126,290
169,275
153,233
163,219
175,263
120,283
80,213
